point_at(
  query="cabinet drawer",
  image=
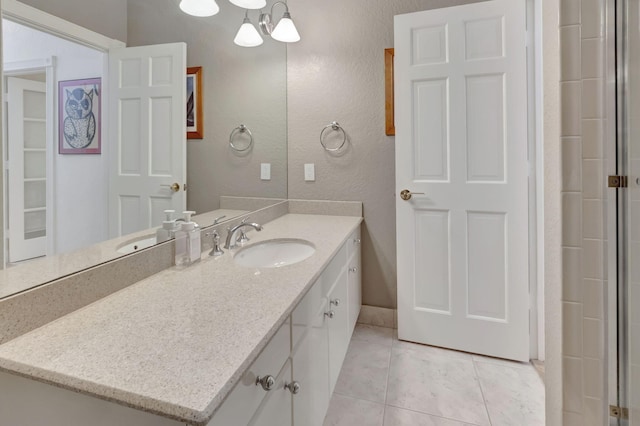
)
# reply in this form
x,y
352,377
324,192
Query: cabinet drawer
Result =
x,y
339,330
276,409
353,242
245,398
334,269
305,313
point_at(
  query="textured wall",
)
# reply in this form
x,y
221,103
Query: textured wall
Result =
x,y
241,85
336,72
104,17
582,43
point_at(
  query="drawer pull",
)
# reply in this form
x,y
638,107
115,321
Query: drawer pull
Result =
x,y
353,269
356,241
267,382
335,302
294,387
330,314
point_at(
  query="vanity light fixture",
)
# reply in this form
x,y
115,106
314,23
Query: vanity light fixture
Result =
x,y
248,35
199,8
249,4
284,31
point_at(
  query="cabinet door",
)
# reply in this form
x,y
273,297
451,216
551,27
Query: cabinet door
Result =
x,y
339,330
276,409
355,288
246,397
311,371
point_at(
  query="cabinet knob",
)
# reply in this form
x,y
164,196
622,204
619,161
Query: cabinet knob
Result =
x,y
294,387
267,382
335,302
353,269
330,314
356,240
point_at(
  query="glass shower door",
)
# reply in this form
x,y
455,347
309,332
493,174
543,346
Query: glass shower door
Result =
x,y
628,153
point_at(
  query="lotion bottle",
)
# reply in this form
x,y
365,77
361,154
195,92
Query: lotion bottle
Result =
x,y
168,228
193,238
187,242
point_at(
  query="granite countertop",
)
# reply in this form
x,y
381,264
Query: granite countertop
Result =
x,y
28,274
176,343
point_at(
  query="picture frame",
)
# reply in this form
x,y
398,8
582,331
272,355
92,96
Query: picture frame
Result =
x,y
80,116
195,124
389,107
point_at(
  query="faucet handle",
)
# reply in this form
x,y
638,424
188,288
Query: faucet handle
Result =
x,y
215,250
242,238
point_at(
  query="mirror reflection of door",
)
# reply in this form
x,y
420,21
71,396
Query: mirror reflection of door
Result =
x,y
26,158
61,202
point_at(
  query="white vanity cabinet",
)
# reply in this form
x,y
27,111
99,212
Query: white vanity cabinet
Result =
x,y
321,329
289,383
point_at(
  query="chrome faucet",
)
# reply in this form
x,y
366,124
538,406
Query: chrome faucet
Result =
x,y
231,242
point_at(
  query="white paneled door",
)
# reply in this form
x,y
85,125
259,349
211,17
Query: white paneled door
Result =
x,y
27,157
148,130
461,150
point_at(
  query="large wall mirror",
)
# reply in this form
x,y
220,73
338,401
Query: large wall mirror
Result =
x,y
57,204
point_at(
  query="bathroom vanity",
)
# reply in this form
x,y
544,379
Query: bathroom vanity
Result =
x,y
213,344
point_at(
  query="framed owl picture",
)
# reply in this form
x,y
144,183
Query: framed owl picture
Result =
x,y
79,116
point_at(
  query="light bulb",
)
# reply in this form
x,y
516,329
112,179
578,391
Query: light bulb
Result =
x,y
249,4
200,8
247,35
286,30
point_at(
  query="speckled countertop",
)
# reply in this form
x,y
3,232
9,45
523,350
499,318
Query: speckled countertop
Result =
x,y
26,275
177,342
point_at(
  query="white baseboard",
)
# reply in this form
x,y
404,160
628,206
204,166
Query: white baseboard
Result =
x,y
381,317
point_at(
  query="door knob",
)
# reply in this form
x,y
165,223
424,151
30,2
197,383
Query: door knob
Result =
x,y
294,387
175,187
267,382
406,195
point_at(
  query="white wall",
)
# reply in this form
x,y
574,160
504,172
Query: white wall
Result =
x,y
80,184
104,17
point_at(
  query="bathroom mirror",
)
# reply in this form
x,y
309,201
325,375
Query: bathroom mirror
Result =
x,y
241,86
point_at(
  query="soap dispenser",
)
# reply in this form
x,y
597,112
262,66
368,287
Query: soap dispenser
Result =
x,y
187,241
168,228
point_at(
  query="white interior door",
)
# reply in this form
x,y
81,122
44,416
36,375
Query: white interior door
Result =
x,y
148,131
27,157
461,123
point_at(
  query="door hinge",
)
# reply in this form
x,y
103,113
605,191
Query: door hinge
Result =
x,y
619,412
617,181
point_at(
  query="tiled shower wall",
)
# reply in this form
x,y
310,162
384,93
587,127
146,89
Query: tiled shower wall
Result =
x,y
583,121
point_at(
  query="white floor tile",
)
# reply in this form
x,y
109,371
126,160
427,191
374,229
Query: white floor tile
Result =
x,y
514,395
408,384
433,383
398,417
373,334
364,371
345,411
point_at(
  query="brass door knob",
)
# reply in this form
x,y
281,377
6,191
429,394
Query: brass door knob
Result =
x,y
175,187
406,195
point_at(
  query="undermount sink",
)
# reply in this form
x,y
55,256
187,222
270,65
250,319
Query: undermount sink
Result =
x,y
139,244
274,253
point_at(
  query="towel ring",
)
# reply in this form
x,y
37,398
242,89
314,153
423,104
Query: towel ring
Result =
x,y
238,131
336,127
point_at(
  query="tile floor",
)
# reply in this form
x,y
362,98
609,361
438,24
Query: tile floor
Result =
x,y
386,382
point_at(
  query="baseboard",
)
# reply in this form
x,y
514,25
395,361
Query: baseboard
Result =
x,y
381,317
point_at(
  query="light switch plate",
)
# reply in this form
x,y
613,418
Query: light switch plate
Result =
x,y
309,172
265,171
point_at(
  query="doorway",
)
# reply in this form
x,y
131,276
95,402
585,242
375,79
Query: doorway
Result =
x,y
28,133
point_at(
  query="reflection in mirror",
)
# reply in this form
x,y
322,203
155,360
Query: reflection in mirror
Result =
x,y
58,205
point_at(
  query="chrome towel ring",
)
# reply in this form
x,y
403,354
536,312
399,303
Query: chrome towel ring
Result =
x,y
336,128
241,129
